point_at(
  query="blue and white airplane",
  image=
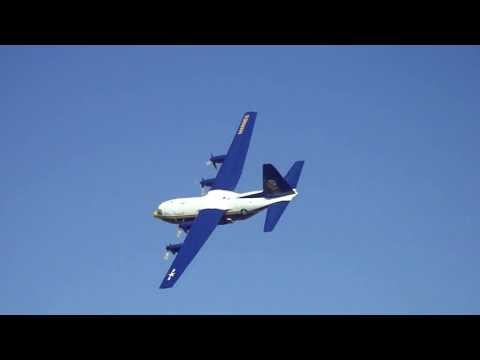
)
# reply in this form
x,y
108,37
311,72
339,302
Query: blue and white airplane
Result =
x,y
198,216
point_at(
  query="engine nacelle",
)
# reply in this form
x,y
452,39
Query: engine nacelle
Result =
x,y
173,248
219,159
186,225
207,182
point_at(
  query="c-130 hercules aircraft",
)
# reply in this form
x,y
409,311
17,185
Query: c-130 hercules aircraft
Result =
x,y
198,216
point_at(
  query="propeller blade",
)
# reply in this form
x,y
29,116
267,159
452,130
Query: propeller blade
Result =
x,y
179,232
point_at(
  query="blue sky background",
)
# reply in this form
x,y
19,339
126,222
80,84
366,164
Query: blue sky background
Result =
x,y
93,138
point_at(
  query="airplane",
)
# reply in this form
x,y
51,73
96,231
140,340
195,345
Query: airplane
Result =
x,y
198,217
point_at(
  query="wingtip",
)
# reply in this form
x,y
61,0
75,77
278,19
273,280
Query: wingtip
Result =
x,y
165,285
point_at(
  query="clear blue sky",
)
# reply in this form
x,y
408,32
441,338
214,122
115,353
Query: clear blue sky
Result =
x,y
387,221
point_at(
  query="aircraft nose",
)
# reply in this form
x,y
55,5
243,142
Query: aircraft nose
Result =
x,y
158,213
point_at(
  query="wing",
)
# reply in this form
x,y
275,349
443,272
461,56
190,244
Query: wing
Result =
x,y
231,169
200,230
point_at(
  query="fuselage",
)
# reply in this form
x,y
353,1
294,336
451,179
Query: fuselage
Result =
x,y
237,206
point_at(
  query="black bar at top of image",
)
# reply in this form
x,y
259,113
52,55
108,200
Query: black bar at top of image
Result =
x,y
313,37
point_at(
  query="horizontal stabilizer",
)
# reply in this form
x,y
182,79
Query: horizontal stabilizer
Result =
x,y
274,213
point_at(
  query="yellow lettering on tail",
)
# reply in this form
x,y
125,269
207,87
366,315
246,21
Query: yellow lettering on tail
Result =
x,y
243,124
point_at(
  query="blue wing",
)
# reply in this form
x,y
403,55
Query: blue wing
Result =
x,y
200,230
229,174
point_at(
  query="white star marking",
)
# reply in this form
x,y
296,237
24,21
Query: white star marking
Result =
x,y
171,275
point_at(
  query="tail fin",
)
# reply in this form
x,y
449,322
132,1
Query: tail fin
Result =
x,y
275,211
294,173
274,184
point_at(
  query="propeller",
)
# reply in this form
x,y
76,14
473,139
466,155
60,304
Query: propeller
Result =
x,y
203,189
180,231
210,162
172,249
214,160
206,183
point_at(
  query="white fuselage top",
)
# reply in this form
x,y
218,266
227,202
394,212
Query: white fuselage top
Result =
x,y
229,201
